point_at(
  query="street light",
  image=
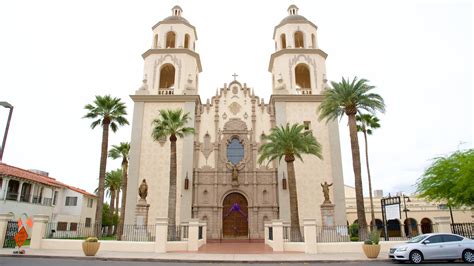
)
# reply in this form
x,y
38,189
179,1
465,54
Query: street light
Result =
x,y
406,213
9,106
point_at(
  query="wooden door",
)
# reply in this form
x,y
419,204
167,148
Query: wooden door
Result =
x,y
235,216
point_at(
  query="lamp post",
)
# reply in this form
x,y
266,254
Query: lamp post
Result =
x,y
9,106
406,213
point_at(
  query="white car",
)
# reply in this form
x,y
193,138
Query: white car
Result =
x,y
436,246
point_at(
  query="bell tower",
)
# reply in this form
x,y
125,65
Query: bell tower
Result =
x,y
172,65
298,65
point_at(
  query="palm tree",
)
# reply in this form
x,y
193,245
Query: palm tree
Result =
x,y
350,98
121,151
113,181
290,142
172,123
107,112
367,123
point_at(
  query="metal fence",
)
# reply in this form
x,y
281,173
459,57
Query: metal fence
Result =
x,y
178,232
11,231
463,229
338,233
292,234
270,233
200,235
63,230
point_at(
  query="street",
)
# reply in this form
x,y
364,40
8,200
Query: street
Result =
x,y
32,261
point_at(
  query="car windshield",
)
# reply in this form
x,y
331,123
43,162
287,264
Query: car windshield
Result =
x,y
416,239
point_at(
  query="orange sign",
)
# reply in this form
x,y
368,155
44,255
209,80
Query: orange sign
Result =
x,y
21,237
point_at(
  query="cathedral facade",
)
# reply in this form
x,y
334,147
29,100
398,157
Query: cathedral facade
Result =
x,y
218,178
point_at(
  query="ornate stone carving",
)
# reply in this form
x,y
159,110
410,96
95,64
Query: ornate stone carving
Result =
x,y
235,108
235,124
207,146
224,116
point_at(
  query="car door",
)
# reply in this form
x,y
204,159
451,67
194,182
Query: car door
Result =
x,y
452,247
432,247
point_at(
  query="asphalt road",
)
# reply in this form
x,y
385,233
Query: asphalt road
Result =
x,y
31,261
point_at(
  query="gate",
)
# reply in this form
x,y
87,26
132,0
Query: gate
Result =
x,y
12,230
464,229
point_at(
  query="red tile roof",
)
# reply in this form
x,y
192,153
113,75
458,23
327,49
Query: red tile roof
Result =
x,y
12,171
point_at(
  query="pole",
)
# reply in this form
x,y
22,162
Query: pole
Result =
x,y
406,217
6,131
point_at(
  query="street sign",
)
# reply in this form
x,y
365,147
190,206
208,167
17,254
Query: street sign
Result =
x,y
21,237
390,211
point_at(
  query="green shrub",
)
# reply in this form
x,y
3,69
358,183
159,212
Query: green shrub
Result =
x,y
92,239
354,230
373,238
354,238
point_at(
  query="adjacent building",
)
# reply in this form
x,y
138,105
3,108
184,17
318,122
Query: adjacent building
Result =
x,y
25,193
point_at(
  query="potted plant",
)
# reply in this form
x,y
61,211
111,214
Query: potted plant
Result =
x,y
90,246
371,246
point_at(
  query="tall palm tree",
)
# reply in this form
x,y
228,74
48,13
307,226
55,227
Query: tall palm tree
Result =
x,y
349,98
121,151
109,113
367,123
290,142
113,181
172,124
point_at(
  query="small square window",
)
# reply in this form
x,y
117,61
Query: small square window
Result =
x,y
62,226
88,222
73,227
307,125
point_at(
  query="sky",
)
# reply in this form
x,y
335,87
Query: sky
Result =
x,y
55,56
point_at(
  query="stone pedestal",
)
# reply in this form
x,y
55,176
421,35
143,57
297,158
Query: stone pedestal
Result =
x,y
327,214
141,212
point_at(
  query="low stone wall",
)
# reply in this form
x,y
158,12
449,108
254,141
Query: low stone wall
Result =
x,y
109,245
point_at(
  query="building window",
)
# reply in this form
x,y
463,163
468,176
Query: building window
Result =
x,y
62,226
235,151
283,41
55,197
170,39
73,227
88,222
307,125
90,202
186,41
167,73
303,80
71,201
299,43
442,207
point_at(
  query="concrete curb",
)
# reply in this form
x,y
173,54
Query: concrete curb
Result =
x,y
188,261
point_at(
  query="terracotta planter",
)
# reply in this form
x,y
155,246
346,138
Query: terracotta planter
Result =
x,y
371,251
90,248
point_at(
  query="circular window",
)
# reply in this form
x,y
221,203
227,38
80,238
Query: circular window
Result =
x,y
235,151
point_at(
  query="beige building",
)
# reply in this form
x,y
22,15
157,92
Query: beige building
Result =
x,y
227,187
420,214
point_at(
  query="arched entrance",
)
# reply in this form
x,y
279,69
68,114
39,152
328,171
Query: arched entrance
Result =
x,y
426,226
235,216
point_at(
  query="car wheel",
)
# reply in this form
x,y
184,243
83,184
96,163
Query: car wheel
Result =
x,y
416,257
468,256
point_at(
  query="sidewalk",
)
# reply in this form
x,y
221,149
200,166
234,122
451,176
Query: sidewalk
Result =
x,y
195,256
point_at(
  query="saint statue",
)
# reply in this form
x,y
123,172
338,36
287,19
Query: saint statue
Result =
x,y
325,187
143,190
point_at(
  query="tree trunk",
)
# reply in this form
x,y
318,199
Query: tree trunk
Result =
x,y
103,165
117,198
357,177
172,190
295,234
372,212
124,197
111,211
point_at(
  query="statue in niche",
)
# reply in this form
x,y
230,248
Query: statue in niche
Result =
x,y
143,190
235,172
325,187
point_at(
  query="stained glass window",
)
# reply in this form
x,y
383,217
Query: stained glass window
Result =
x,y
235,151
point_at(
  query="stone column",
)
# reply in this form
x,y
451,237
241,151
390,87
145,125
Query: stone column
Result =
x,y
444,224
310,236
278,244
4,218
19,191
5,185
266,232
32,190
39,228
161,234
193,239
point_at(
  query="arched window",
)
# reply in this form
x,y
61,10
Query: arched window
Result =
x,y
186,41
235,151
299,43
167,76
283,41
170,39
155,41
303,80
313,39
